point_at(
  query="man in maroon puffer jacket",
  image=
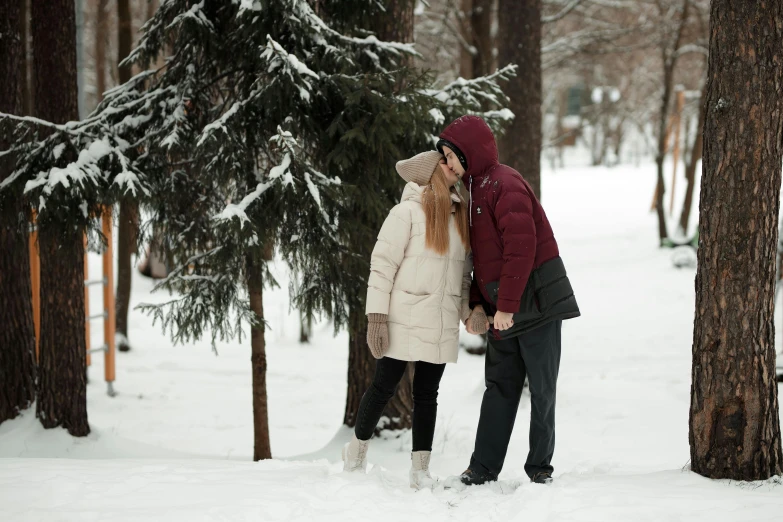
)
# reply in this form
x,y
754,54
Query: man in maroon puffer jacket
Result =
x,y
519,278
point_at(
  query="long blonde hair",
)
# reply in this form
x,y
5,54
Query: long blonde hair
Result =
x,y
437,201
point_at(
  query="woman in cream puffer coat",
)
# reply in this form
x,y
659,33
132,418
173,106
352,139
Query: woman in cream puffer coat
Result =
x,y
420,275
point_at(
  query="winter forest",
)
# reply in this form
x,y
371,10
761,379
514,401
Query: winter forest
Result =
x,y
336,260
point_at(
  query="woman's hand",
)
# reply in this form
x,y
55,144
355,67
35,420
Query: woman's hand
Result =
x,y
477,323
378,334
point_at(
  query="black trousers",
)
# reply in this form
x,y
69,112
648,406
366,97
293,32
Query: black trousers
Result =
x,y
388,373
537,355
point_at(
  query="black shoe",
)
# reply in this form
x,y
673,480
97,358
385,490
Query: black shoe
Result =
x,y
542,477
475,478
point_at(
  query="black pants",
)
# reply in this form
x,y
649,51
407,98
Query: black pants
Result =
x,y
537,355
388,373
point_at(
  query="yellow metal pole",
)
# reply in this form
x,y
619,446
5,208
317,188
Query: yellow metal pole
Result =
x,y
108,298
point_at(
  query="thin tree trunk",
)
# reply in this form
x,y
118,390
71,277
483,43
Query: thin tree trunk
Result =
x,y
305,328
734,420
24,64
465,57
481,27
660,156
62,386
129,214
255,288
101,36
519,42
17,335
669,60
690,167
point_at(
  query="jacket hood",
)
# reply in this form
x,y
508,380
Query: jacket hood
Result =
x,y
475,139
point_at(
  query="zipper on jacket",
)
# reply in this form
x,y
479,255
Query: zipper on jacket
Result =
x,y
470,209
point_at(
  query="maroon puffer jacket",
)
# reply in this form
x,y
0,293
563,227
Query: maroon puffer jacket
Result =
x,y
509,232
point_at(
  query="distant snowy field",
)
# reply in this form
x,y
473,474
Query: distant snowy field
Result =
x,y
176,442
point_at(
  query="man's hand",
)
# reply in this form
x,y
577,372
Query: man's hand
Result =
x,y
477,323
503,320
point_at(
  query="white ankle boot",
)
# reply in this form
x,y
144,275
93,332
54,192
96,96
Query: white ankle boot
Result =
x,y
355,455
420,470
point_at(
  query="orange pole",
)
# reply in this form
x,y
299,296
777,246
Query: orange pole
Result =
x,y
677,117
108,297
35,281
87,304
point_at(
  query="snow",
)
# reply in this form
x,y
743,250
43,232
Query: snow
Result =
x,y
175,444
239,210
219,124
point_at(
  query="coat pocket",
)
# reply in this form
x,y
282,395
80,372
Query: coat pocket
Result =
x,y
529,309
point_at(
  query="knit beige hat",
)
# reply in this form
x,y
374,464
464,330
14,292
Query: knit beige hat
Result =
x,y
420,167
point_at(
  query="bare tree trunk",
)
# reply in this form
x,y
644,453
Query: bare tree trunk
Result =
x,y
669,58
17,335
305,328
734,421
255,288
690,167
465,57
481,27
24,64
101,36
519,42
129,214
62,386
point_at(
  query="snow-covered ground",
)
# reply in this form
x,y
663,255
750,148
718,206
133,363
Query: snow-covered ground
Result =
x,y
176,442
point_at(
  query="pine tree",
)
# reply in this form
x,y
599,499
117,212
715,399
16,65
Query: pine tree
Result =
x,y
734,415
17,336
62,386
128,219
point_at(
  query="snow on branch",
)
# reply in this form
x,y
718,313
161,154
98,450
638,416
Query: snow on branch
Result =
x,y
239,210
219,124
86,169
287,63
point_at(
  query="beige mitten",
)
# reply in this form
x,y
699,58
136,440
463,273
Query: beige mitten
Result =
x,y
464,312
378,334
478,320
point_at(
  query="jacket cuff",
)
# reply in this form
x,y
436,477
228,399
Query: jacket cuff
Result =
x,y
508,306
377,302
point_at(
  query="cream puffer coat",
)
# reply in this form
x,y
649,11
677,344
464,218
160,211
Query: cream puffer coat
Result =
x,y
423,293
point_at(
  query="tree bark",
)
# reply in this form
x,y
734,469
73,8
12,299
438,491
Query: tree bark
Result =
x,y
62,387
255,288
24,63
669,59
101,35
734,423
690,168
396,25
519,42
481,28
17,335
129,219
465,57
